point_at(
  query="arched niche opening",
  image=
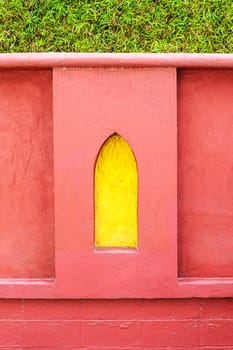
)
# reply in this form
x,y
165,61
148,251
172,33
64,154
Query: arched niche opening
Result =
x,y
116,195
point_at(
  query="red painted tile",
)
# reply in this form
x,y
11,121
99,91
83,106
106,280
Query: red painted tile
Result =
x,y
10,334
172,308
51,334
111,309
217,333
172,348
111,348
11,309
217,308
93,348
51,309
216,348
170,333
111,333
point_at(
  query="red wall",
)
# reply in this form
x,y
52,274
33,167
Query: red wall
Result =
x,y
54,118
117,324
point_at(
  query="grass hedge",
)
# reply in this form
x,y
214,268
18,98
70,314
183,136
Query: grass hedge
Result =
x,y
116,25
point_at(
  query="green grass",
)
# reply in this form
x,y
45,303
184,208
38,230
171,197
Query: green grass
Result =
x,y
116,25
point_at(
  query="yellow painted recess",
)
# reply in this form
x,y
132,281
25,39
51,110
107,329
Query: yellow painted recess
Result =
x,y
116,191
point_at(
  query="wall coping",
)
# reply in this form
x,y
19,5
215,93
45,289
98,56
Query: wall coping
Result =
x,y
65,59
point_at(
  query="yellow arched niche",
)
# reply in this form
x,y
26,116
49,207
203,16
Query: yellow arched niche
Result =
x,y
116,191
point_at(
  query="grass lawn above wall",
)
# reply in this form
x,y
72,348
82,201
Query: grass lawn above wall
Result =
x,y
116,25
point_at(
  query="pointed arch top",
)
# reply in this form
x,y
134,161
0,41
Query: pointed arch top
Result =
x,y
116,192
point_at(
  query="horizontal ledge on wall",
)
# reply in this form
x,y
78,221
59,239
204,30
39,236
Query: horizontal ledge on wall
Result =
x,y
206,280
26,281
53,59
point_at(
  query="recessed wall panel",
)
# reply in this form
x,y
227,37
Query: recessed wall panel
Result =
x,y
205,172
26,175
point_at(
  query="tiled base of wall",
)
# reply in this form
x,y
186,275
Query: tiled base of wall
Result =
x,y
117,324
